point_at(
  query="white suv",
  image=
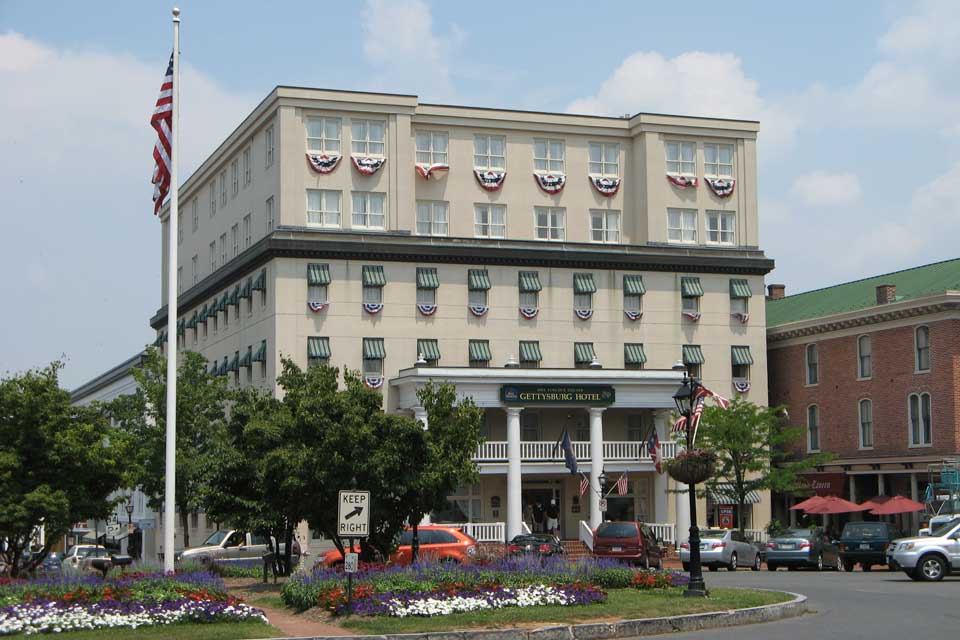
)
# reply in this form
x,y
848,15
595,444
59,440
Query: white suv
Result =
x,y
930,557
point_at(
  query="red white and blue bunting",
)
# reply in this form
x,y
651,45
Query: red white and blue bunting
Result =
x,y
606,186
684,182
742,386
550,182
478,310
691,316
744,318
373,382
373,308
317,307
633,316
367,166
427,309
323,163
436,170
584,314
490,180
722,187
529,312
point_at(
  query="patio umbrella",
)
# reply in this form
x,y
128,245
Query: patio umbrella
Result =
x,y
897,504
874,502
833,504
806,504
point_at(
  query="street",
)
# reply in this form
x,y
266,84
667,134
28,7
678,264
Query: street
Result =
x,y
875,605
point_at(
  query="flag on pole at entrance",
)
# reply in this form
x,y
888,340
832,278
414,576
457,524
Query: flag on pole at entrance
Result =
x,y
584,484
162,122
680,425
653,448
623,487
569,457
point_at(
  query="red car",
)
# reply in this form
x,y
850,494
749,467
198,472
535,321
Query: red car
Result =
x,y
630,541
437,543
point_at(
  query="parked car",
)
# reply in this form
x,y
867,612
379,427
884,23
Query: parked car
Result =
x,y
802,548
631,541
51,565
438,543
79,555
930,557
542,544
723,548
233,547
866,543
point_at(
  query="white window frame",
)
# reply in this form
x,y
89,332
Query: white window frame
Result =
x,y
179,279
223,188
548,162
676,164
583,301
247,166
327,214
690,304
269,213
921,441
427,154
861,423
433,218
721,227
554,229
195,213
196,268
529,299
361,210
372,294
477,297
324,143
235,239
632,302
373,367
268,146
864,372
213,256
317,293
717,169
213,198
919,351
744,369
483,156
223,249
235,177
247,230
426,295
607,235
484,224
679,227
813,426
811,364
603,166
739,305
360,141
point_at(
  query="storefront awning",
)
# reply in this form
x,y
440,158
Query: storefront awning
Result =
x,y
724,493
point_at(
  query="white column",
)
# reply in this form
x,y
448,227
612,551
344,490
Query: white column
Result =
x,y
661,510
596,464
914,495
420,414
514,479
881,485
683,511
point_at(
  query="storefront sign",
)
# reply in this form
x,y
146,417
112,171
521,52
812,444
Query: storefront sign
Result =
x,y
588,394
825,484
726,516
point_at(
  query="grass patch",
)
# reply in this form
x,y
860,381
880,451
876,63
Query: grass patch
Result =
x,y
621,604
214,631
266,600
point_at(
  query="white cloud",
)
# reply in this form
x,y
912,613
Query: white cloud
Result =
x,y
819,189
933,29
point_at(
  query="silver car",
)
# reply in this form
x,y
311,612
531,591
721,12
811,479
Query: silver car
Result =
x,y
930,557
233,547
723,548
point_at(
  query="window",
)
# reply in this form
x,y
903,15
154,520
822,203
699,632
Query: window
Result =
x,y
922,342
268,145
718,160
223,188
427,284
367,137
740,294
323,135
318,279
692,357
549,222
268,209
429,350
921,433
690,293
213,198
490,220
247,232
583,354
864,357
720,227
431,147
247,167
583,290
179,279
548,155
604,226
431,218
530,356
179,227
866,424
194,212
426,296
489,152
373,367
813,428
529,287
478,283
681,158
213,256
368,209
633,291
741,359
681,225
323,208
235,177
633,356
372,294
604,159
318,351
813,364
196,268
530,426
223,249
235,239
635,430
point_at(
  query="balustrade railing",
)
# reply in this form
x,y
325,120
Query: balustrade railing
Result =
x,y
548,451
665,531
482,531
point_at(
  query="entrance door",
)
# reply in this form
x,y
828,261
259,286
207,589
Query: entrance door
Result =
x,y
537,507
620,509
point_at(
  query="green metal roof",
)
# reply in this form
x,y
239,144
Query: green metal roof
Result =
x,y
318,347
530,351
318,274
740,355
429,348
583,352
633,285
427,278
918,282
478,280
480,351
633,354
529,281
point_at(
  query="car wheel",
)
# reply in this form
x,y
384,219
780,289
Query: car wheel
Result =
x,y
659,565
913,574
932,568
645,563
756,563
820,562
791,568
733,562
848,565
713,567
771,566
686,566
866,566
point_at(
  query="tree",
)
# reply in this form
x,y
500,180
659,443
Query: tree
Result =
x,y
751,443
58,465
201,402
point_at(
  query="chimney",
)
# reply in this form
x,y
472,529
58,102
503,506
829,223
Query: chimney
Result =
x,y
776,291
886,293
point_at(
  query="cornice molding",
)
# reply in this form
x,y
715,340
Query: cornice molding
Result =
x,y
828,325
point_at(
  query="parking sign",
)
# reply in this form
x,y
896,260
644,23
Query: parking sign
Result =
x,y
350,562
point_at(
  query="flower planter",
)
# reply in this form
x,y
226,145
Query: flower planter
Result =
x,y
692,467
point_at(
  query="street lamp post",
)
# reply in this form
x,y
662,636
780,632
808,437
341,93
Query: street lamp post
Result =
x,y
129,508
684,400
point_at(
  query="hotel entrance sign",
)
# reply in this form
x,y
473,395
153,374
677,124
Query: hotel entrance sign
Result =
x,y
584,394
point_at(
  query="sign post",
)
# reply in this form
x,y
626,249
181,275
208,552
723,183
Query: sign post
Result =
x,y
353,521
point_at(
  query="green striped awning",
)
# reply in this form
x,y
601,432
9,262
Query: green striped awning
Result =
x,y
260,283
224,301
530,351
633,354
633,285
192,322
214,308
202,316
428,348
740,288
214,369
224,366
261,354
583,283
318,347
373,276
480,351
235,296
690,288
182,327
247,359
318,274
373,348
692,354
478,280
530,282
234,363
583,352
247,290
725,493
741,355
427,278
161,338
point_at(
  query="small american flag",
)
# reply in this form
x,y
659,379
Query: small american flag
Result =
x,y
584,484
653,448
162,122
680,425
623,485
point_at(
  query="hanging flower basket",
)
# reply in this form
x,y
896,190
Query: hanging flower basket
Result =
x,y
692,467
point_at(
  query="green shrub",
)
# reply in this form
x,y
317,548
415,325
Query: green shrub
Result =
x,y
612,577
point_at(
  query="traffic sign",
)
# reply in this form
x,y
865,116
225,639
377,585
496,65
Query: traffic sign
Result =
x,y
350,562
353,514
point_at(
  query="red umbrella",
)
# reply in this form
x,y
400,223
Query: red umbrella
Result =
x,y
897,504
806,504
874,502
833,504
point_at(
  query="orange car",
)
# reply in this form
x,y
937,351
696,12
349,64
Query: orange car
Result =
x,y
437,543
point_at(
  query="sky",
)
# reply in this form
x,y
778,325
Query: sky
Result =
x,y
859,105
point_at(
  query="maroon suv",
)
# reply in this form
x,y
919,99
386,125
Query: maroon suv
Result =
x,y
630,541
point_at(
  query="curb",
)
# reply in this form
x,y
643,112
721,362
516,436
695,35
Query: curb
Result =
x,y
611,630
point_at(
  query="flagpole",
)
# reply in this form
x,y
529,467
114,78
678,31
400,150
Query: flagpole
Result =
x,y
170,479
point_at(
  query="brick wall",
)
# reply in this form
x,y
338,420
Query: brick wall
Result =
x,y
839,391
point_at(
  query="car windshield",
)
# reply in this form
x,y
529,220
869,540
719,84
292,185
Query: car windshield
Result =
x,y
216,538
945,528
798,533
525,540
713,533
617,530
865,530
86,552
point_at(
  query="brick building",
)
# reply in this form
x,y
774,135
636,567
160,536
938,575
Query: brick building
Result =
x,y
871,370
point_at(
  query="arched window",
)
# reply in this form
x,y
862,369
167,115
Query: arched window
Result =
x,y
864,357
919,416
813,364
922,344
866,424
813,428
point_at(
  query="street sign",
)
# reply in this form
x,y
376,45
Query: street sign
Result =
x,y
353,514
350,562
603,504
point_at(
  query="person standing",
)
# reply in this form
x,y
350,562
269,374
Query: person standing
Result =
x,y
553,517
538,517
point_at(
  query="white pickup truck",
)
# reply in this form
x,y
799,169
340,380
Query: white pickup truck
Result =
x,y
234,547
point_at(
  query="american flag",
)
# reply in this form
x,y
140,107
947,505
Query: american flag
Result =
x,y
653,448
584,484
162,122
623,487
699,400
